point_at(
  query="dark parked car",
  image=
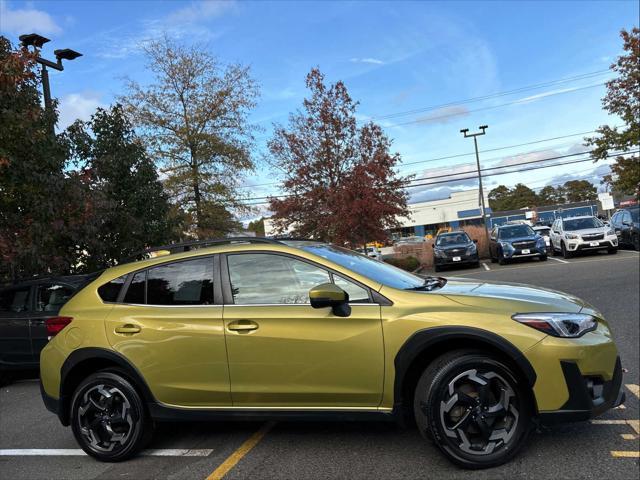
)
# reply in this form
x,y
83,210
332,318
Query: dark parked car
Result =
x,y
454,248
25,308
627,226
516,241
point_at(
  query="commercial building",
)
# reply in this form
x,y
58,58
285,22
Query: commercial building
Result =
x,y
459,209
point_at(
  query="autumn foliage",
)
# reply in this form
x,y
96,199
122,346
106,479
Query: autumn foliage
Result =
x,y
340,184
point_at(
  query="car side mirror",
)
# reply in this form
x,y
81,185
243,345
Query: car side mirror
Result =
x,y
433,245
475,240
330,295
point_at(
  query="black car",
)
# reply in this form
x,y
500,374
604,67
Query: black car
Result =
x,y
454,248
508,242
627,226
24,310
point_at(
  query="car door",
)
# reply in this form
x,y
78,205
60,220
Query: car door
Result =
x,y
168,324
284,353
15,342
50,296
493,242
626,226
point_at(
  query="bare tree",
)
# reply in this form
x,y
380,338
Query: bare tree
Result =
x,y
194,119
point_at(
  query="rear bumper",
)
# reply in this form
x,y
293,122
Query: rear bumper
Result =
x,y
589,396
50,403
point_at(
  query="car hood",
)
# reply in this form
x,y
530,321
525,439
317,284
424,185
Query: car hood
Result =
x,y
528,238
474,292
454,246
590,231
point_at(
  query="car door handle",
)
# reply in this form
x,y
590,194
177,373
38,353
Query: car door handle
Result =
x,y
242,326
128,329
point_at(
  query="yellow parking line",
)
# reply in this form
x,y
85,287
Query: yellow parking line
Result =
x,y
628,436
635,389
635,424
623,454
233,459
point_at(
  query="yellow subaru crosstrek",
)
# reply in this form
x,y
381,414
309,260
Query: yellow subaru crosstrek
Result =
x,y
289,329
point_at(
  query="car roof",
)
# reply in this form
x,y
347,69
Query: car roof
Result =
x,y
579,217
452,233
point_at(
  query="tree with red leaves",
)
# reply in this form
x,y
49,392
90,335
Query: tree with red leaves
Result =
x,y
340,181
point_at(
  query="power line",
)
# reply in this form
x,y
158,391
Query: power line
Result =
x,y
492,107
492,95
436,159
439,182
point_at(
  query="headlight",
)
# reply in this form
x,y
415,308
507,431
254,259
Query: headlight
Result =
x,y
471,249
572,236
611,231
506,245
541,242
568,325
440,253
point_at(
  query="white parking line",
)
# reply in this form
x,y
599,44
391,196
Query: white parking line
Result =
x,y
68,452
486,267
558,260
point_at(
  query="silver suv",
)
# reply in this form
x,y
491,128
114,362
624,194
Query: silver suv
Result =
x,y
577,234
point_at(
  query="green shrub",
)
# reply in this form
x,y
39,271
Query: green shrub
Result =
x,y
409,263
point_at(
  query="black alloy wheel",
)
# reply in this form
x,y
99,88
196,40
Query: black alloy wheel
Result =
x,y
474,409
108,417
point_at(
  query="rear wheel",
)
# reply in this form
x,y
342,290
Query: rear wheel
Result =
x,y
108,417
5,378
473,408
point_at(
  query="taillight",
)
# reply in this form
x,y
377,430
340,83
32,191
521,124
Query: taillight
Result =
x,y
56,324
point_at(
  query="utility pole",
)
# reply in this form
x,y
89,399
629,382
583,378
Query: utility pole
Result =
x,y
465,132
37,41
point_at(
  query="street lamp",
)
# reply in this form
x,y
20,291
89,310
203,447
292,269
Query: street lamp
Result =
x,y
465,132
37,41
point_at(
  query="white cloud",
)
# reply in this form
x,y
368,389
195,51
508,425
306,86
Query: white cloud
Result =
x,y
202,10
26,20
369,60
76,106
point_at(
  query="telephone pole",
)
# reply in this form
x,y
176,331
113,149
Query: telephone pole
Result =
x,y
465,132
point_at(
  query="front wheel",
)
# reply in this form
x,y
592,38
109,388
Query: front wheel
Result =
x,y
636,243
108,417
474,409
566,254
612,250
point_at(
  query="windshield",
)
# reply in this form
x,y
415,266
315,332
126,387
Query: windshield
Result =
x,y
581,223
452,239
517,231
377,271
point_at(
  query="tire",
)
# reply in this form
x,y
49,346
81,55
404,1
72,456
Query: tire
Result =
x,y
566,254
636,243
437,268
612,251
491,431
543,258
98,401
501,259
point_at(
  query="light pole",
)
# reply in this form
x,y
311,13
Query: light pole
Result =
x,y
37,41
465,132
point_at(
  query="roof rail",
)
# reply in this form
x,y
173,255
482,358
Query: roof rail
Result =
x,y
187,246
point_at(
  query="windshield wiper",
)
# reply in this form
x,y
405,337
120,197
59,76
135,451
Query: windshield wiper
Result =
x,y
429,284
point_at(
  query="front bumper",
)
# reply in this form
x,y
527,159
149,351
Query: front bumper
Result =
x,y
588,396
584,245
464,260
520,253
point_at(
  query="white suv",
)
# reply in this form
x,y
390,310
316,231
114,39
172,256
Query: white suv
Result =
x,y
577,234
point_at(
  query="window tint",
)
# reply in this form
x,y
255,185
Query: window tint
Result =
x,y
258,278
109,291
51,296
181,283
356,292
135,292
14,300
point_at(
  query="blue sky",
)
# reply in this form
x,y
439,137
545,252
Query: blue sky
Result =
x,y
395,57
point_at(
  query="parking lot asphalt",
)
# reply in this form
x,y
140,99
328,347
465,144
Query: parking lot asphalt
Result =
x,y
33,445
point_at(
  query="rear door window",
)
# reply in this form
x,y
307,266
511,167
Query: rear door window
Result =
x,y
15,300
